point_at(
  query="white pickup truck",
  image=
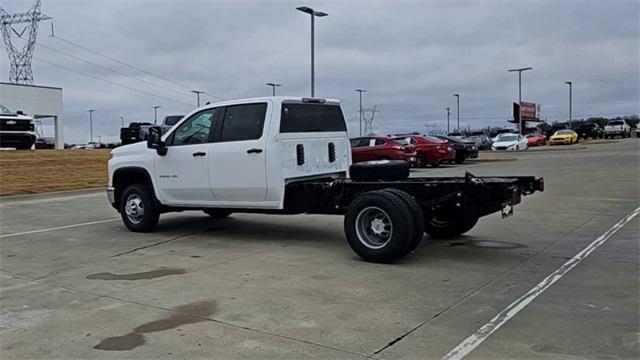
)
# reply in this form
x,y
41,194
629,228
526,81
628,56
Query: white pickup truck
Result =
x,y
617,128
288,155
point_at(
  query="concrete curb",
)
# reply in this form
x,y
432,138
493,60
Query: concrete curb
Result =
x,y
557,148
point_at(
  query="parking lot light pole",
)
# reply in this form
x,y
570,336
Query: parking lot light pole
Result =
x,y
155,114
570,102
122,120
273,87
458,105
361,91
448,113
91,124
313,14
197,92
520,70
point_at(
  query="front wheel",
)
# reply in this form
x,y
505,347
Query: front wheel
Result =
x,y
459,159
421,162
137,209
379,226
446,229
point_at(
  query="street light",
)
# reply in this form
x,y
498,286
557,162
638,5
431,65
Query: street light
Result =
x,y
458,112
122,120
91,124
570,101
313,14
520,70
197,92
361,91
273,87
448,113
155,114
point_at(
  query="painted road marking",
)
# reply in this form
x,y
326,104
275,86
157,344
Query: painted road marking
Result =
x,y
473,341
53,199
57,228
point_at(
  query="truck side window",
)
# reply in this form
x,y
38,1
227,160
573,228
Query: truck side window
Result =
x,y
195,130
243,122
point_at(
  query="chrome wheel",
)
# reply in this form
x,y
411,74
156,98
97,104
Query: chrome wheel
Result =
x,y
373,227
134,208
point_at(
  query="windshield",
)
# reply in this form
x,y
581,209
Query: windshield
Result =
x,y
476,137
615,123
402,141
508,138
296,118
172,120
564,132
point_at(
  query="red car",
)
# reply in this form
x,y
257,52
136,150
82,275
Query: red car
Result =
x,y
429,150
536,139
381,148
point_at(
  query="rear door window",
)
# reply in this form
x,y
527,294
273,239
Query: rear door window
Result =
x,y
297,118
243,122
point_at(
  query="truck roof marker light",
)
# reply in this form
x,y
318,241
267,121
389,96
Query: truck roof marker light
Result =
x,y
314,100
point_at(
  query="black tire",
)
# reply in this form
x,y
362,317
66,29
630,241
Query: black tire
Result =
x,y
134,198
448,229
389,170
217,213
421,161
435,164
459,159
391,209
416,215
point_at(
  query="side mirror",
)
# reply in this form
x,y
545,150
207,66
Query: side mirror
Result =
x,y
154,140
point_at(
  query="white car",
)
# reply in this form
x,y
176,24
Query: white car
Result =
x,y
510,142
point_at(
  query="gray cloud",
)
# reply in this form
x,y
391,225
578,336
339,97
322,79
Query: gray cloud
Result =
x,y
411,56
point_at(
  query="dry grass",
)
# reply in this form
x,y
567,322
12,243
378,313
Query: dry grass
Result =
x,y
29,172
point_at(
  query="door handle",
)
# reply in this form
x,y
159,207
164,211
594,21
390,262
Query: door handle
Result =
x,y
199,153
254,151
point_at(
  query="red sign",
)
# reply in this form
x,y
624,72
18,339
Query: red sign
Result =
x,y
527,110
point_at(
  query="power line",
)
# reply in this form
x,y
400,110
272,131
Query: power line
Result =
x,y
128,65
109,69
110,82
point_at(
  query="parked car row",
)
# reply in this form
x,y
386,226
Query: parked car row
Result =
x,y
417,150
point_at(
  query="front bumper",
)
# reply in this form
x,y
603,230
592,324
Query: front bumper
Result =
x,y
560,141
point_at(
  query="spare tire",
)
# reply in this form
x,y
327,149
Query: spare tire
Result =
x,y
388,170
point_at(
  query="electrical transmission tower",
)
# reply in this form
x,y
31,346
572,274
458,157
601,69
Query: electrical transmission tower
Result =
x,y
367,116
20,56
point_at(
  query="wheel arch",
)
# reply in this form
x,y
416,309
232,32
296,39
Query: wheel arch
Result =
x,y
128,175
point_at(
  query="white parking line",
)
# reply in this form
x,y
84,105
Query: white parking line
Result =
x,y
53,199
57,228
473,341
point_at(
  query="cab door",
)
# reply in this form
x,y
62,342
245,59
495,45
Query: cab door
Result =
x,y
237,160
182,174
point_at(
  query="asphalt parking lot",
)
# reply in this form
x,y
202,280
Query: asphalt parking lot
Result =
x,y
76,284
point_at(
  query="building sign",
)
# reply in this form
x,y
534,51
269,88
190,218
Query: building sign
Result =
x,y
527,110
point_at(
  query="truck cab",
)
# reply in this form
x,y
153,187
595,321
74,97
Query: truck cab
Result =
x,y
238,153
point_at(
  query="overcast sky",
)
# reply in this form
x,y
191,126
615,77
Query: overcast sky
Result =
x,y
410,56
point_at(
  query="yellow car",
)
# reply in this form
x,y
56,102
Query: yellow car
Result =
x,y
567,137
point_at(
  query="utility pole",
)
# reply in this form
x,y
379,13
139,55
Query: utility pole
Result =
x,y
448,113
91,125
313,14
458,112
570,102
20,56
273,88
198,95
520,70
155,114
360,91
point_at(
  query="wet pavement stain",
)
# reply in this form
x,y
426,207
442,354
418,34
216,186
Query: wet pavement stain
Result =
x,y
487,244
184,314
138,276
